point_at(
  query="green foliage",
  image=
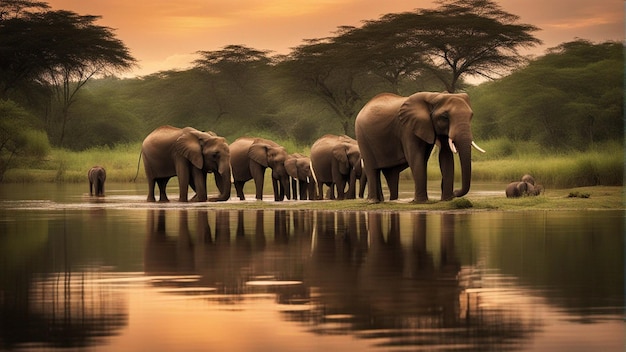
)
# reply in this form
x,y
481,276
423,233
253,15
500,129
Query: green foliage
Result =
x,y
570,98
19,137
59,50
461,203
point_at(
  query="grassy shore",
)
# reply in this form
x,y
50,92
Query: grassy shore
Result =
x,y
579,198
575,180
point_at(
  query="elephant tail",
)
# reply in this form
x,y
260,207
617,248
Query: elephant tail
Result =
x,y
138,162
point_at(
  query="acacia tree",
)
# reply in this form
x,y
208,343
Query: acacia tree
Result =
x,y
234,73
58,49
330,70
472,37
458,38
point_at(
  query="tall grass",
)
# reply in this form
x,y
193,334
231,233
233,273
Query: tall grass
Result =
x,y
603,165
504,161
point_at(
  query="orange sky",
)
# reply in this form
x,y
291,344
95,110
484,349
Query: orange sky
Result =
x,y
165,34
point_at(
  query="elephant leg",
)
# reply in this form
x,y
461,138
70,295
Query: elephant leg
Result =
x,y
341,189
419,179
392,175
90,188
446,165
311,188
281,189
278,192
151,184
294,187
199,182
239,189
100,188
162,183
258,174
374,188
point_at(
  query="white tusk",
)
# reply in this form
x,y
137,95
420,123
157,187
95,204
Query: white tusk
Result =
x,y
478,148
312,171
452,147
307,179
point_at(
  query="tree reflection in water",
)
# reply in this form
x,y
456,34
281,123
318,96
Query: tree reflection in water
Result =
x,y
372,275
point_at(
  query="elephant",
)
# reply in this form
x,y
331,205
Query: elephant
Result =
x,y
250,157
189,154
522,189
97,175
299,168
395,132
525,187
336,160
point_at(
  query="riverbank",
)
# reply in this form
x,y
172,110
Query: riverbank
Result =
x,y
482,197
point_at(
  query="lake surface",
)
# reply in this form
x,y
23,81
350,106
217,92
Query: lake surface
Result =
x,y
121,274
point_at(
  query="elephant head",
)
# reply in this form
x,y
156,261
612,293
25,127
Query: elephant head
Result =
x,y
273,156
210,153
300,170
443,119
348,160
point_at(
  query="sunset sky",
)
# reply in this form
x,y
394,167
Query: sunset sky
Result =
x,y
165,34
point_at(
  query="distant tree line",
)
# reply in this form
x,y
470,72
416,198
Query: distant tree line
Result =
x,y
318,87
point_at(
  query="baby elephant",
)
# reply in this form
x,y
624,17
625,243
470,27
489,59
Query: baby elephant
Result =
x,y
524,188
97,175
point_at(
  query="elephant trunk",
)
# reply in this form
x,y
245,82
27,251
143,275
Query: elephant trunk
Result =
x,y
285,184
464,148
223,181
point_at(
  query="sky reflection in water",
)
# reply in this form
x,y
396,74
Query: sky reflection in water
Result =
x,y
150,278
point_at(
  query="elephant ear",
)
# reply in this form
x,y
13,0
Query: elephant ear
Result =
x,y
258,153
188,145
414,114
291,167
339,153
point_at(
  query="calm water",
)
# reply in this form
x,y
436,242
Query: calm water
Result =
x,y
121,274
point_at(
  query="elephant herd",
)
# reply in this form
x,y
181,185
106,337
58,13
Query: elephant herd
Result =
x,y
392,133
190,155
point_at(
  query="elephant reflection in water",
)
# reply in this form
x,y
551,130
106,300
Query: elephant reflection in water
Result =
x,y
384,286
167,255
219,261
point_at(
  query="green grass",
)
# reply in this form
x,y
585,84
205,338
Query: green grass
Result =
x,y
63,165
503,162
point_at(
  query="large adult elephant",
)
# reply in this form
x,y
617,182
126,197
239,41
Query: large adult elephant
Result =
x,y
395,132
299,168
336,161
189,154
249,159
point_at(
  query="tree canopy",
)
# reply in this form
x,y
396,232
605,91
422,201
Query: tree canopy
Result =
x,y
60,50
569,98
